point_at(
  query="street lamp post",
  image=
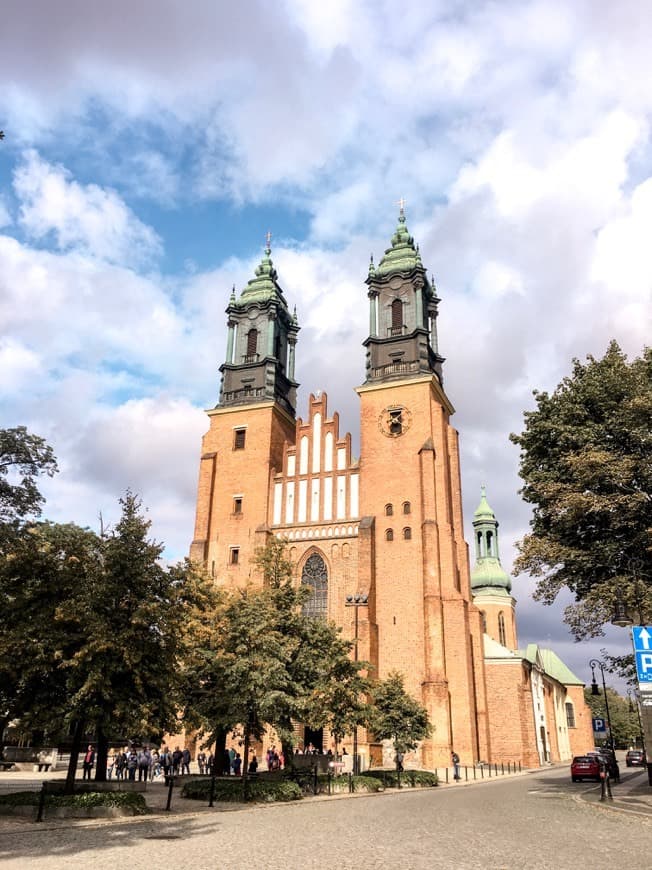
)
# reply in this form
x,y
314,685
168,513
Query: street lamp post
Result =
x,y
356,601
593,664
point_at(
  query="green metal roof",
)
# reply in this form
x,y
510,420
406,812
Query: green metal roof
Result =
x,y
558,670
483,510
263,287
403,256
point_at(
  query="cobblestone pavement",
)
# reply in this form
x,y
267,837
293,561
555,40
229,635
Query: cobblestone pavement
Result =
x,y
536,821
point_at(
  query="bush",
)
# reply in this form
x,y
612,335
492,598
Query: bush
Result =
x,y
409,778
258,790
127,799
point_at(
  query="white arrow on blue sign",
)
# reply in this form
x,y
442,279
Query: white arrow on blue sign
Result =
x,y
642,641
642,637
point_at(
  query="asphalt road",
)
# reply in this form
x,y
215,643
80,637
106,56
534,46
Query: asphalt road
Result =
x,y
535,822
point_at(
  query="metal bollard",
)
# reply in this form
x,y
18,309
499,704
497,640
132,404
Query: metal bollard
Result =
x,y
350,783
170,787
315,785
211,797
41,804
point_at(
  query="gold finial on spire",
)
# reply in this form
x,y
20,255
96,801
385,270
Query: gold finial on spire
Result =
x,y
401,204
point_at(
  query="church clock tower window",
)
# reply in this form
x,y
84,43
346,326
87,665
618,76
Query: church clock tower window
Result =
x,y
397,318
252,346
239,437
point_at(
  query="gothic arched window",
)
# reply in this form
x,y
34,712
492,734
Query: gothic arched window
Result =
x,y
389,535
407,534
406,507
389,510
501,629
315,575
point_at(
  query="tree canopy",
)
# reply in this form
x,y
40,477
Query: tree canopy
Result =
x,y
262,661
586,464
397,716
23,458
92,628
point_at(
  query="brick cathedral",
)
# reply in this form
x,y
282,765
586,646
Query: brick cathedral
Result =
x,y
379,538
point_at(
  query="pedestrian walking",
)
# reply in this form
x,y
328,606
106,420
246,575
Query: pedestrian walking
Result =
x,y
201,761
605,780
456,765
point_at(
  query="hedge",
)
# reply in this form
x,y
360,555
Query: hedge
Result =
x,y
258,790
409,778
84,800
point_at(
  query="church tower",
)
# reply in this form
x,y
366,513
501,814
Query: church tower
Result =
x,y
490,583
410,496
249,427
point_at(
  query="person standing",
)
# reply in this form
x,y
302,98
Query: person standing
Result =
x,y
201,761
144,764
605,779
89,761
456,765
185,761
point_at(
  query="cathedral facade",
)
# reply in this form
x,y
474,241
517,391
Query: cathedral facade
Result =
x,y
379,538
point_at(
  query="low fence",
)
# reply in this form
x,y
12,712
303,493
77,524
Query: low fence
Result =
x,y
469,773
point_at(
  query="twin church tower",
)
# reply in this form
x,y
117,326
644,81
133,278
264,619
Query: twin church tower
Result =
x,y
386,526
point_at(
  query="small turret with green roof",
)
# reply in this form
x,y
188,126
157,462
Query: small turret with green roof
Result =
x,y
488,575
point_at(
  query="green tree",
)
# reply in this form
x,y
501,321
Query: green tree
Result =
x,y
586,464
260,660
99,629
23,459
397,716
42,567
622,712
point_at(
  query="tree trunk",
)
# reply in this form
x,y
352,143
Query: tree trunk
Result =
x,y
220,748
101,755
77,738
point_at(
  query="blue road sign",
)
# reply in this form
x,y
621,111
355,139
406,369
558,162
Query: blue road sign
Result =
x,y
599,726
642,638
642,642
644,666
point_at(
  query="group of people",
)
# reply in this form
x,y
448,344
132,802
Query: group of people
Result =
x,y
147,764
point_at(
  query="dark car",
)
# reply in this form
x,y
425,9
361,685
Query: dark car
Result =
x,y
585,767
635,758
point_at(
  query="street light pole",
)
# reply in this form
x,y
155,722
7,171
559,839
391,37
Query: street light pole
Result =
x,y
356,601
593,664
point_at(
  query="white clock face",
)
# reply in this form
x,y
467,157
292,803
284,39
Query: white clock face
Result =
x,y
394,421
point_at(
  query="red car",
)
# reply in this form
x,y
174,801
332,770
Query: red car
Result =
x,y
585,767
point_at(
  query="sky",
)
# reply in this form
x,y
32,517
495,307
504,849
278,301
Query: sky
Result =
x,y
150,146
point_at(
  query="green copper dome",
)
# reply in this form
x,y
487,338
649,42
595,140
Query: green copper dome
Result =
x,y
263,287
402,256
488,575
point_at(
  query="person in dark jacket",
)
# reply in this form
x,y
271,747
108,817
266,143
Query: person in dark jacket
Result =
x,y
89,761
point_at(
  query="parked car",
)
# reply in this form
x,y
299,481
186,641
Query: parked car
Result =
x,y
585,767
635,758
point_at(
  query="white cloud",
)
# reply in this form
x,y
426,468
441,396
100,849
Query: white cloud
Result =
x,y
83,217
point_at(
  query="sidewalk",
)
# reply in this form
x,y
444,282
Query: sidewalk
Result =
x,y
633,795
